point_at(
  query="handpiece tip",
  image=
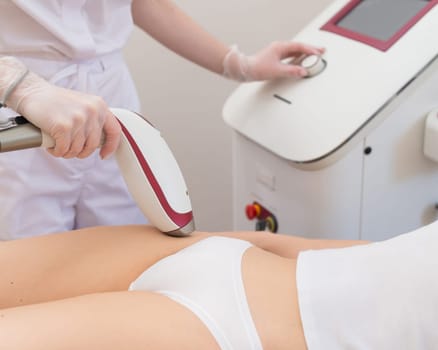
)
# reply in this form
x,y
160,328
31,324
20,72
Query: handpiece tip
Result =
x,y
187,230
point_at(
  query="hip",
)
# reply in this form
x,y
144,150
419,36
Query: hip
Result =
x,y
271,290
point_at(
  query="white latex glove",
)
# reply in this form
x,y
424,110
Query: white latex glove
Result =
x,y
269,63
73,119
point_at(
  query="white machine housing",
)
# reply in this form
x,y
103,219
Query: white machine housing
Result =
x,y
340,154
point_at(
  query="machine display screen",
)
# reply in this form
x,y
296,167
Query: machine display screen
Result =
x,y
381,19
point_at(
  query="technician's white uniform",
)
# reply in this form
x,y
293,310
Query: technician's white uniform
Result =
x,y
75,44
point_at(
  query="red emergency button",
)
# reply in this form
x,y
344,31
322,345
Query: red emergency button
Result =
x,y
252,211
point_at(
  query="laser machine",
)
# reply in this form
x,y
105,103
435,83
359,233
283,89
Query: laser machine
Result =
x,y
348,152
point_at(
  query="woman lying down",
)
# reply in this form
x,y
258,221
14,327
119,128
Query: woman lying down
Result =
x,y
136,288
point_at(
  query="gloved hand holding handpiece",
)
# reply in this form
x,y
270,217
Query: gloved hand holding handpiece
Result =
x,y
73,119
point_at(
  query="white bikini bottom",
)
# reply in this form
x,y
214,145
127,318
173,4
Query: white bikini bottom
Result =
x,y
207,279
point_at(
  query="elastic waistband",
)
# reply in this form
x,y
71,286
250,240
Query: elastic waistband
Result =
x,y
57,69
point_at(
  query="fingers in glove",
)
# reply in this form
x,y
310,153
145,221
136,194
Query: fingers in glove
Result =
x,y
93,130
77,146
292,70
62,138
293,49
112,132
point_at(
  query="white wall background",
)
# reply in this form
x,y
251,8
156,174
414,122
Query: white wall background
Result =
x,y
185,102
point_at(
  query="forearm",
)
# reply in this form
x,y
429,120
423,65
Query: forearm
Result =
x,y
12,74
169,25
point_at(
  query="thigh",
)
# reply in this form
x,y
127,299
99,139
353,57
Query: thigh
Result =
x,y
119,320
92,260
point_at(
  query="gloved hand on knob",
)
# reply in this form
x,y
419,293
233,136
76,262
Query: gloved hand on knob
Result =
x,y
269,63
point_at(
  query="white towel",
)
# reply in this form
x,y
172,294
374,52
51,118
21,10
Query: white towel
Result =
x,y
382,295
